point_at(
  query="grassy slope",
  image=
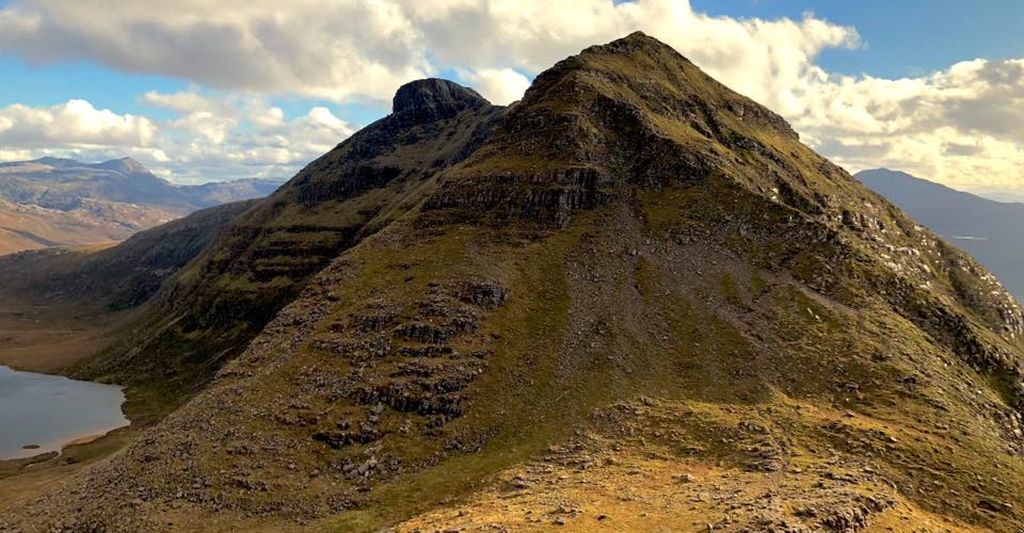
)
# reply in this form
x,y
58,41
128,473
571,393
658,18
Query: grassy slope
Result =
x,y
721,302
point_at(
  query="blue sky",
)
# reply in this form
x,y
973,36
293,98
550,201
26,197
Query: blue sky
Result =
x,y
904,37
221,93
41,85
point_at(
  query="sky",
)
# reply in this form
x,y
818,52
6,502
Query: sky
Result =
x,y
214,90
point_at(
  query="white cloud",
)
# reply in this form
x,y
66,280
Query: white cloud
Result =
x,y
334,50
350,48
184,102
322,117
961,125
15,155
210,138
501,86
210,127
73,123
248,138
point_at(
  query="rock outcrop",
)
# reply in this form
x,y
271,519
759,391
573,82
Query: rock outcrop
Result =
x,y
434,99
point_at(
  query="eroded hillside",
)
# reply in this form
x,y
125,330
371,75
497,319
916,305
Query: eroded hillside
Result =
x,y
641,303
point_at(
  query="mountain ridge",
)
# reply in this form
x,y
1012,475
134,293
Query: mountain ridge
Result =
x,y
633,282
263,259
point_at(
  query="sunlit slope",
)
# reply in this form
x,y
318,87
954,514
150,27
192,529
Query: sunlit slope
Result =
x,y
640,281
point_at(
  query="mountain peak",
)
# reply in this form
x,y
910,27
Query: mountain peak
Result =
x,y
409,305
56,162
125,165
633,111
635,42
435,98
654,78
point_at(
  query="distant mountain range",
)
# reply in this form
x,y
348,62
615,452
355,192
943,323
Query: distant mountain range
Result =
x,y
120,276
988,230
51,201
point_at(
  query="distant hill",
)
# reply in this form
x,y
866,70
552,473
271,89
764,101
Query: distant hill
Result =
x,y
222,192
117,277
28,227
64,184
988,230
52,201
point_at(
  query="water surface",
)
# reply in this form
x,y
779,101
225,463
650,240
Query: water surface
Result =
x,y
48,412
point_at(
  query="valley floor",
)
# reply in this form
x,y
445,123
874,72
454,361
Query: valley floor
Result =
x,y
47,339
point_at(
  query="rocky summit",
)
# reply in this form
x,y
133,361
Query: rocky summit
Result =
x,y
434,99
631,301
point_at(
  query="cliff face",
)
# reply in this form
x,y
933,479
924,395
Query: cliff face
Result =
x,y
633,288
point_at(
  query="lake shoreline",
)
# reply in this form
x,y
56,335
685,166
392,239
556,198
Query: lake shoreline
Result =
x,y
47,452
47,413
